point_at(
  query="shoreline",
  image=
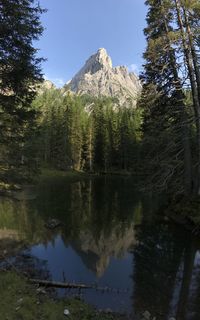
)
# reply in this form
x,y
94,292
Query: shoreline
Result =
x,y
28,301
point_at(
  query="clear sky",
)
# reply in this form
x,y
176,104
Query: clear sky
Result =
x,y
75,29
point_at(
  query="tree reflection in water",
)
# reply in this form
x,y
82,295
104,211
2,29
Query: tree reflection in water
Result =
x,y
103,219
166,272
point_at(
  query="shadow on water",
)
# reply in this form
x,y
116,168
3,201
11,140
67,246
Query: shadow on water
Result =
x,y
110,237
166,264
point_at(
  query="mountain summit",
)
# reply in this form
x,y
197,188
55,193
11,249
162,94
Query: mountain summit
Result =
x,y
99,78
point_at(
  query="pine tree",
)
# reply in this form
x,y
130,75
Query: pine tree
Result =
x,y
164,102
19,71
184,12
86,133
19,66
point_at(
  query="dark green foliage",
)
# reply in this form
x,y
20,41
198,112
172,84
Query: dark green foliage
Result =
x,y
87,133
19,72
167,113
19,66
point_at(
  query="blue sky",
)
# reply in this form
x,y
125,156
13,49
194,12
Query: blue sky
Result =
x,y
75,29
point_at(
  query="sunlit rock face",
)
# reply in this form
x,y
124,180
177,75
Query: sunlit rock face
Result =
x,y
44,86
99,78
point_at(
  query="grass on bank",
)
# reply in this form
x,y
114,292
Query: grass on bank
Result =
x,y
20,300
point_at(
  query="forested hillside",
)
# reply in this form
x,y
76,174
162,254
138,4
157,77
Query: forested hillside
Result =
x,y
86,133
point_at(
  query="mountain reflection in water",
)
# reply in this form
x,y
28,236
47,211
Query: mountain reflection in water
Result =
x,y
109,236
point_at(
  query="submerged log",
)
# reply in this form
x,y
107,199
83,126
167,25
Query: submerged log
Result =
x,y
64,285
47,283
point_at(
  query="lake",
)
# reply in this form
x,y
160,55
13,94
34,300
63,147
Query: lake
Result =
x,y
110,238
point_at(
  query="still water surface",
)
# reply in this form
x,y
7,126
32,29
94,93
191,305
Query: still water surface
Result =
x,y
109,237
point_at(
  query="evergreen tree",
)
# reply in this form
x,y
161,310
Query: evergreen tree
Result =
x,y
19,72
166,118
188,31
86,133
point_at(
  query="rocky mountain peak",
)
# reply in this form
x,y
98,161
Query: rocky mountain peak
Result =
x,y
103,58
96,62
99,78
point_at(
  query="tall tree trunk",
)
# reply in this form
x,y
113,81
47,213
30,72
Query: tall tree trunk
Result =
x,y
193,51
184,118
192,76
90,149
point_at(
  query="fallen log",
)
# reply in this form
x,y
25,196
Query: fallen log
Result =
x,y
47,283
64,285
